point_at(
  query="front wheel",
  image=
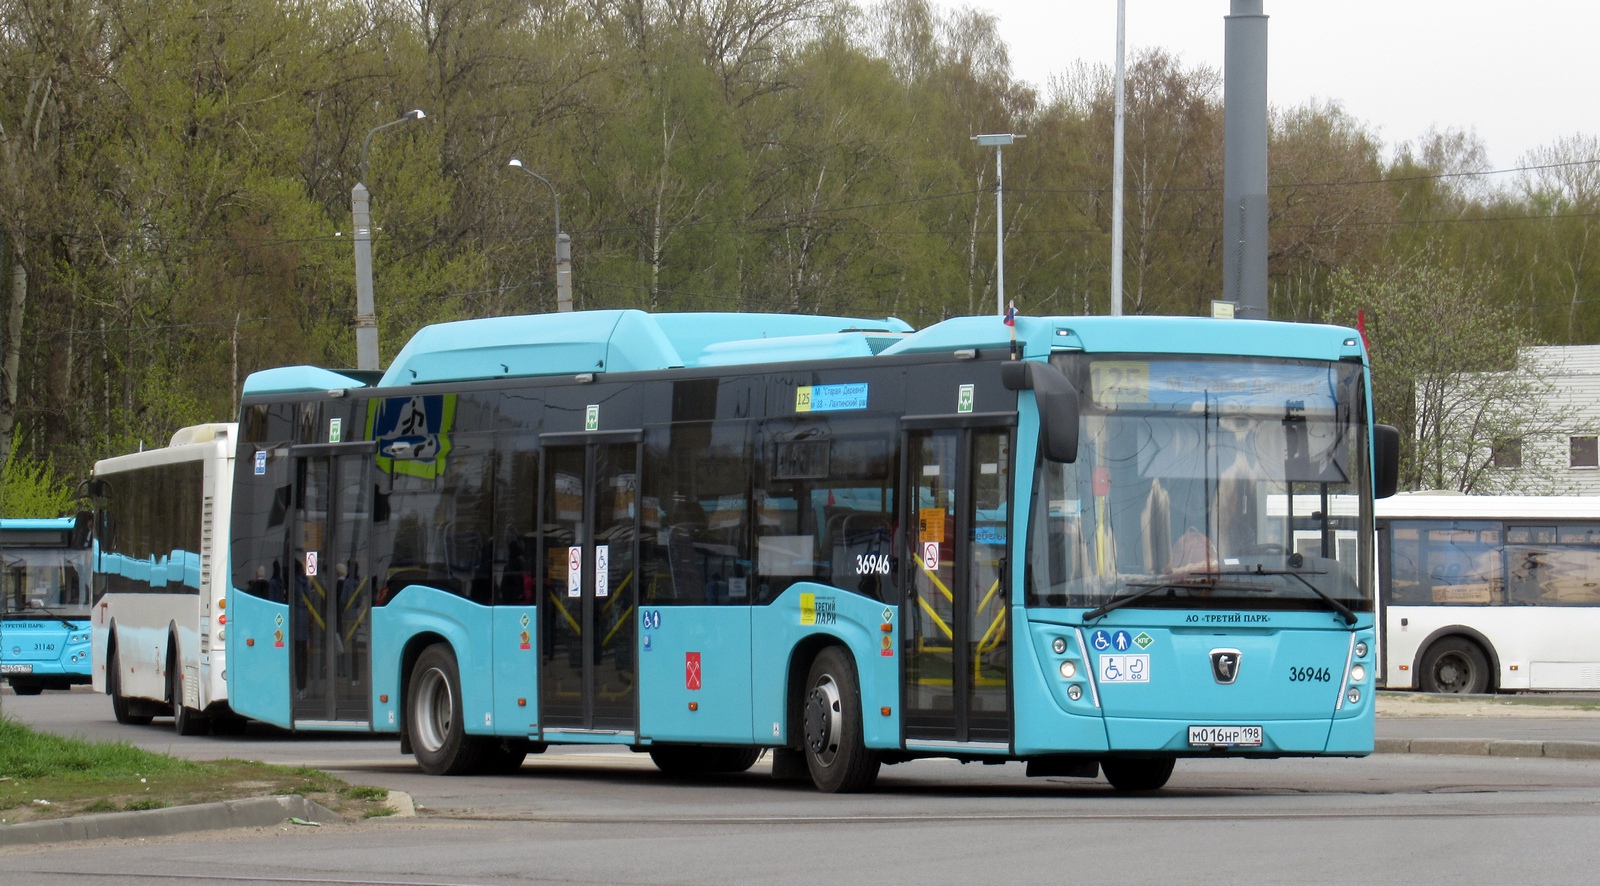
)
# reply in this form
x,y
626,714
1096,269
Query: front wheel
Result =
x,y
434,716
836,755
1455,665
1138,774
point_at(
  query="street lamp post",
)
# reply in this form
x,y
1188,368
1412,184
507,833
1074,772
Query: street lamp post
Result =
x,y
563,244
999,140
366,321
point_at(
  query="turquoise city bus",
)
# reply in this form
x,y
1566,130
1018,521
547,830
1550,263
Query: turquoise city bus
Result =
x,y
1093,544
44,604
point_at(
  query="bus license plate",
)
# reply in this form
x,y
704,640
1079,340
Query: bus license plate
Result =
x,y
1233,736
16,669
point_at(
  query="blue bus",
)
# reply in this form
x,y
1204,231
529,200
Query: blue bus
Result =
x,y
44,604
1094,544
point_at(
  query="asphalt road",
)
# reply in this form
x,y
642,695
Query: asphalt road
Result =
x,y
610,817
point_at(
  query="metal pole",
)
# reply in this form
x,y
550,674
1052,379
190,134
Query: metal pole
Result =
x,y
1244,176
1116,171
999,234
366,320
360,212
563,244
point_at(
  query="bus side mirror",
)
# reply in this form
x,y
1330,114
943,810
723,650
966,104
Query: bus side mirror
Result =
x,y
1385,460
82,529
1057,400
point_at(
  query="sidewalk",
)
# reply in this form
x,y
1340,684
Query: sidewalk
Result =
x,y
1565,726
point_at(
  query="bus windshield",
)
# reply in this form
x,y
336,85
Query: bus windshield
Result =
x,y
45,581
1207,482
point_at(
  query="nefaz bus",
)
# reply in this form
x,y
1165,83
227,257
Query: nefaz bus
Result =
x,y
44,603
1489,593
161,530
705,536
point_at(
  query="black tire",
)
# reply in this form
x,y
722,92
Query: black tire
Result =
x,y
1454,665
836,756
435,721
26,687
1146,774
702,760
119,704
185,720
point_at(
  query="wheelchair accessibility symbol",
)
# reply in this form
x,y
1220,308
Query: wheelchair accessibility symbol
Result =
x,y
1100,640
1125,669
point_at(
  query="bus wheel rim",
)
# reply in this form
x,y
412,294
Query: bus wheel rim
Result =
x,y
824,709
435,709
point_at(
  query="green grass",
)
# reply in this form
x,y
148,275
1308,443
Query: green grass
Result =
x,y
44,776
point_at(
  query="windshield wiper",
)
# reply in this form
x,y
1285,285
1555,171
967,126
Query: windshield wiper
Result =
x,y
1145,589
19,614
1344,611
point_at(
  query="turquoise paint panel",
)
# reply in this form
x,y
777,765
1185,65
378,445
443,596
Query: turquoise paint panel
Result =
x,y
855,622
516,669
48,647
1277,736
45,524
1047,721
258,658
297,380
556,736
1352,736
719,637
459,622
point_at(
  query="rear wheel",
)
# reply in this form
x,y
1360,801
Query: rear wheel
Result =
x,y
186,720
702,759
1138,774
434,717
1454,665
835,753
120,706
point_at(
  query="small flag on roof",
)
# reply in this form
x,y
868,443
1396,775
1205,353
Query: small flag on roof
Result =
x,y
1011,315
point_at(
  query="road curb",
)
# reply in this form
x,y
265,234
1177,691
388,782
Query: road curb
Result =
x,y
1479,747
252,813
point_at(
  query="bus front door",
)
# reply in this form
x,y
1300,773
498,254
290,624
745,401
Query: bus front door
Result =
x,y
955,626
330,599
588,678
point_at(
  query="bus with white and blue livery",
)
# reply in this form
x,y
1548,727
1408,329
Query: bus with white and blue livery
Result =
x,y
1094,544
44,603
160,580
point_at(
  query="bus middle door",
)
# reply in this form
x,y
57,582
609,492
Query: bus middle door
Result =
x,y
330,596
588,673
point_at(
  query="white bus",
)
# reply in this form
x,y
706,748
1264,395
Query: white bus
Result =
x,y
160,580
1485,593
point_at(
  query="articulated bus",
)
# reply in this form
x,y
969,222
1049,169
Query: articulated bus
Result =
x,y
44,604
708,536
1490,593
160,580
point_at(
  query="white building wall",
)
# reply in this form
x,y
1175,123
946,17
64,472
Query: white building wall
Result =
x,y
1575,372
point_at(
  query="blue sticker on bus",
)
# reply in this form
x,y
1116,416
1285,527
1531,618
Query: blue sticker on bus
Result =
x,y
1101,640
261,462
830,398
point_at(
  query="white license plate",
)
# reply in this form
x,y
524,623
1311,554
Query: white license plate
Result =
x,y
16,669
1232,736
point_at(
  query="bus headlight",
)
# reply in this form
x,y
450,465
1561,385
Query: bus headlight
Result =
x,y
1059,644
1069,670
1358,673
1074,692
1361,649
1354,695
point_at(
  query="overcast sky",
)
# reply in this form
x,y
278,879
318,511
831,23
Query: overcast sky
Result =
x,y
1519,74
